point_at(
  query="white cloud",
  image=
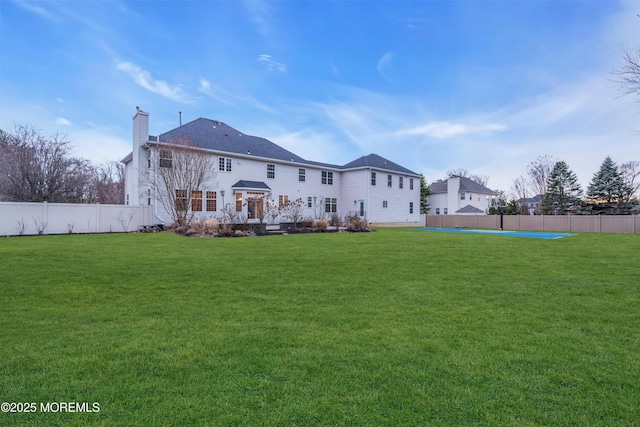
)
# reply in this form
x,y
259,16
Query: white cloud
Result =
x,y
213,91
443,130
384,63
271,65
144,79
36,9
258,13
231,99
98,145
62,121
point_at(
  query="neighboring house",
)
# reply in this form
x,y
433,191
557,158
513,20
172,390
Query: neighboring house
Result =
x,y
251,168
459,195
533,204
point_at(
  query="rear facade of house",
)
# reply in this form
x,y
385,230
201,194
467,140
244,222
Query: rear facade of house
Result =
x,y
250,170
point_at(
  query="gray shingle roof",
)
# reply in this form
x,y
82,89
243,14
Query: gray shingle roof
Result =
x,y
251,184
378,162
218,136
466,185
470,209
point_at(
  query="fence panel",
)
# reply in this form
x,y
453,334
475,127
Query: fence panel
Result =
x,y
567,223
17,218
616,224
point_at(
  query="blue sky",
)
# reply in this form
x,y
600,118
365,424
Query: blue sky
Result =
x,y
487,86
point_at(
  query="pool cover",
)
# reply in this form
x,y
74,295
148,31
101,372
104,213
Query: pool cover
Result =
x,y
530,234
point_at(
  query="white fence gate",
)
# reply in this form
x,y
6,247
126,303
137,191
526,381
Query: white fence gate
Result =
x,y
29,218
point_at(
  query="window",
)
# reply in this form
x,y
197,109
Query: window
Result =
x,y
196,201
462,195
446,211
302,175
327,177
239,201
166,158
181,200
389,181
373,178
283,200
410,183
211,201
127,202
330,205
271,171
385,204
437,211
224,164
400,182
149,196
410,207
309,202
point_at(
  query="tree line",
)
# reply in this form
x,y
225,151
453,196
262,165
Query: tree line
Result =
x,y
551,182
39,168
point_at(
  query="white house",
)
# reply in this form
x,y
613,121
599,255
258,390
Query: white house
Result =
x,y
459,195
371,186
533,204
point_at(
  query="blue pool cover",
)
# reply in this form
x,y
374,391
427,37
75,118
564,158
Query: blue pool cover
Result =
x,y
530,234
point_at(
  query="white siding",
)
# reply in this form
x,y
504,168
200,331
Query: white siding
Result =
x,y
348,187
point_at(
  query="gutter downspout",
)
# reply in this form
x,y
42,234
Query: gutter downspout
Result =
x,y
368,195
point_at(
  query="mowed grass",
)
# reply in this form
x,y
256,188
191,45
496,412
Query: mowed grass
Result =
x,y
396,327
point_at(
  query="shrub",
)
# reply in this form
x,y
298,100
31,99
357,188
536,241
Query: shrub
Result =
x,y
357,224
335,220
320,224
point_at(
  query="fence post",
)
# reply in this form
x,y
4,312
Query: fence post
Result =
x,y
97,217
45,213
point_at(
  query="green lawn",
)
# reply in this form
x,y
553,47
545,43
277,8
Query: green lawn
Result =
x,y
396,327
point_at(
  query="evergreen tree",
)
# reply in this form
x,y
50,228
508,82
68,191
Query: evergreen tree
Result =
x,y
512,208
563,190
425,192
608,193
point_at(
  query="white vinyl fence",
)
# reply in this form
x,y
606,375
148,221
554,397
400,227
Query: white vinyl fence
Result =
x,y
26,218
572,223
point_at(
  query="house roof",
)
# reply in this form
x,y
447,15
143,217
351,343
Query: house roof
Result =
x,y
377,162
251,184
466,185
218,136
534,199
470,209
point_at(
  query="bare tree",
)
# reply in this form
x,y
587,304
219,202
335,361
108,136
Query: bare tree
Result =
x,y
272,209
108,183
463,173
628,72
293,209
538,173
35,168
174,177
630,172
520,188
